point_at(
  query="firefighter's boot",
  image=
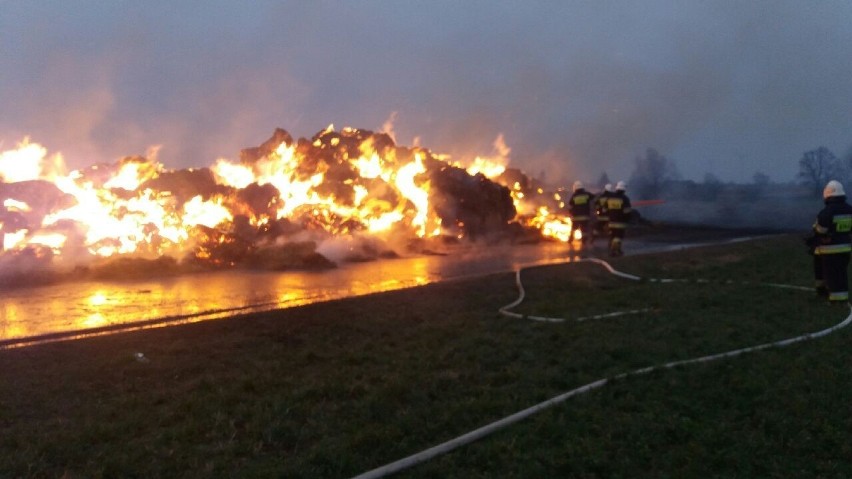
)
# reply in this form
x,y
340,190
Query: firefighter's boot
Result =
x,y
615,247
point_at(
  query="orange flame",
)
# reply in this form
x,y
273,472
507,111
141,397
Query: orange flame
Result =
x,y
324,185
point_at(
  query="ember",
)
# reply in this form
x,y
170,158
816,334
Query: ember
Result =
x,y
271,209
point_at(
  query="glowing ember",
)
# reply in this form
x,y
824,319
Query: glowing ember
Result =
x,y
13,240
15,205
551,225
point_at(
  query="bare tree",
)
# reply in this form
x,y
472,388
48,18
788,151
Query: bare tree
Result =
x,y
651,173
817,167
845,173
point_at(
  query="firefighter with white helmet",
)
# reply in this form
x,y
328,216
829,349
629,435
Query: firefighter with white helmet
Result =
x,y
580,209
833,244
601,215
618,209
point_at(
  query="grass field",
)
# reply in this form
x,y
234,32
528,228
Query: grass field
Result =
x,y
333,390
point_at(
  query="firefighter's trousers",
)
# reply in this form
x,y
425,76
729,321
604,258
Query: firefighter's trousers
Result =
x,y
616,237
831,272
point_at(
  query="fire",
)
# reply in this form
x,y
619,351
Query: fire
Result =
x,y
111,223
15,205
527,199
284,169
486,167
338,183
28,162
207,213
553,226
238,176
495,165
12,240
411,191
132,173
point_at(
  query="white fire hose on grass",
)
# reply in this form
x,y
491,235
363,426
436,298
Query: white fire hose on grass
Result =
x,y
483,431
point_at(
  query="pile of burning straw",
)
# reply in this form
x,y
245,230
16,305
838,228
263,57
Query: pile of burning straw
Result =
x,y
308,203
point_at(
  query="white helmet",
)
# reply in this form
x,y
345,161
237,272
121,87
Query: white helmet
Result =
x,y
578,185
608,187
620,186
833,188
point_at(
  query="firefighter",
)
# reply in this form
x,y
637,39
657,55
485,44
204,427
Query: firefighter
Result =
x,y
618,209
580,209
833,244
601,216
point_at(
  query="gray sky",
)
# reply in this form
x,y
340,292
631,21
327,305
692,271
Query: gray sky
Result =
x,y
576,87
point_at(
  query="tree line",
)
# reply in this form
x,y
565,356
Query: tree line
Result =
x,y
817,167
656,176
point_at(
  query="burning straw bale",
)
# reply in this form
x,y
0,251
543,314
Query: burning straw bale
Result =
x,y
39,197
269,210
250,156
260,200
476,204
186,184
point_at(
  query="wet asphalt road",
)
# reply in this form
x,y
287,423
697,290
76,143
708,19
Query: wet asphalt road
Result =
x,y
30,315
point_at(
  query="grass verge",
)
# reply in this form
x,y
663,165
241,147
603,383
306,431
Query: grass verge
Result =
x,y
335,389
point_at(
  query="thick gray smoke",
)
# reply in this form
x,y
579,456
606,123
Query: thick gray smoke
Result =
x,y
577,88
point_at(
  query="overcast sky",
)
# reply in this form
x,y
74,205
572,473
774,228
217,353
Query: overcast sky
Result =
x,y
577,88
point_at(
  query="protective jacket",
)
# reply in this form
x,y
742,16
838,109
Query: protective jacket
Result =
x,y
600,206
579,206
618,209
833,227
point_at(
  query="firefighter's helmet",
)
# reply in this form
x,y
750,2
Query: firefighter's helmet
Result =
x,y
608,187
621,186
833,188
578,185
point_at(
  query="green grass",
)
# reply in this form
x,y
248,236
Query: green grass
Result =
x,y
336,389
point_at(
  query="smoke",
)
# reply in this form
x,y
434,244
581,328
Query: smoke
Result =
x,y
387,126
788,213
576,88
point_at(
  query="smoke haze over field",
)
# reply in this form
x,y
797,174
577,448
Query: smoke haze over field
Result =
x,y
576,88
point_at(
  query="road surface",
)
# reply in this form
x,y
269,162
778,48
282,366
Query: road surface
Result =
x,y
69,310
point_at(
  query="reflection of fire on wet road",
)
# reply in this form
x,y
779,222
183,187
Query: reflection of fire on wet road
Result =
x,y
354,191
68,308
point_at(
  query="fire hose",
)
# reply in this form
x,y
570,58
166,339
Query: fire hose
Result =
x,y
486,430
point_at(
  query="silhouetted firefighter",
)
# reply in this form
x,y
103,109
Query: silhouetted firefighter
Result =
x,y
832,244
618,209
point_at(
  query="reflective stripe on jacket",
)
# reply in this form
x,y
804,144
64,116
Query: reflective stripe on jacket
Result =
x,y
833,248
580,205
618,208
833,227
